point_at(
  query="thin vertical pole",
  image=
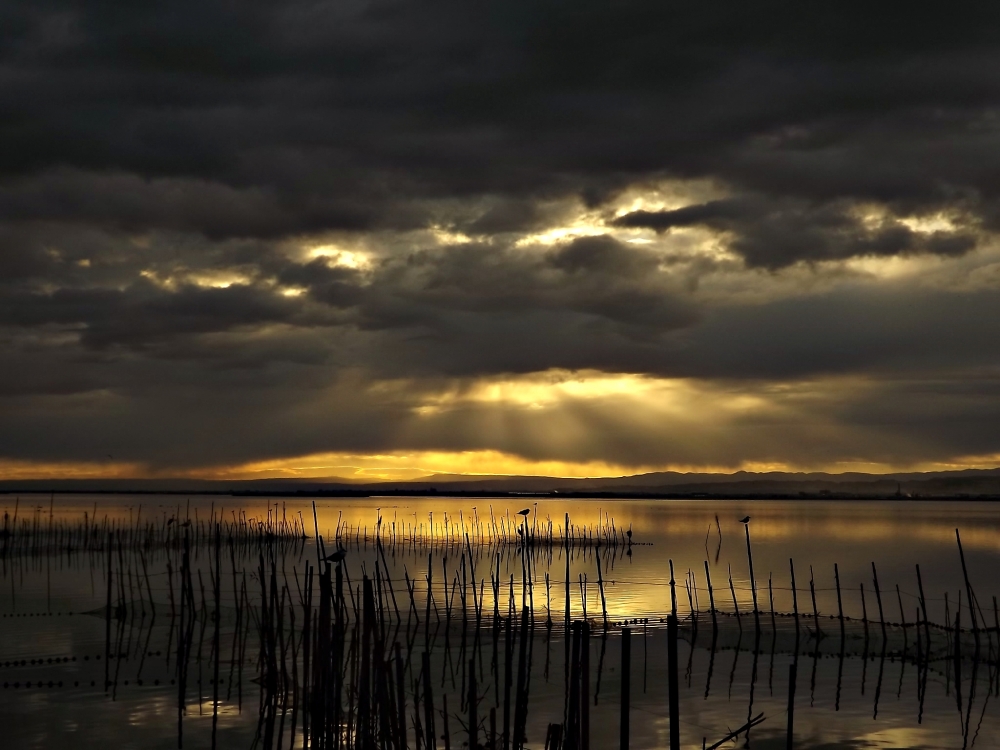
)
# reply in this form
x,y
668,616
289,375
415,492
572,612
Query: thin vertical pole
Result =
x,y
711,596
673,591
573,709
107,625
864,610
795,595
789,743
878,598
923,606
812,592
840,604
585,687
566,545
675,737
753,581
473,722
736,605
626,685
215,637
968,591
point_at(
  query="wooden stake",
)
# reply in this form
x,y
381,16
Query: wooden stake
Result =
x,y
789,742
711,597
626,688
674,690
473,697
753,581
795,596
840,604
878,598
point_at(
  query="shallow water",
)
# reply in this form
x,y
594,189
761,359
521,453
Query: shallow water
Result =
x,y
873,696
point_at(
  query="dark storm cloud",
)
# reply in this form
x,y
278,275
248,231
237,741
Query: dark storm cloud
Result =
x,y
152,151
778,233
917,372
569,299
144,314
128,202
278,118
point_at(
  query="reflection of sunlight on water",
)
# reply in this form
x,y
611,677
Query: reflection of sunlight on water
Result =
x,y
896,535
907,737
851,521
816,534
155,709
230,710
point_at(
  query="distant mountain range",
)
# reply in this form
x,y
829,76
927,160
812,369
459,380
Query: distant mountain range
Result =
x,y
965,483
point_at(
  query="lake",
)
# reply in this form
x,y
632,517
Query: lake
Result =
x,y
145,677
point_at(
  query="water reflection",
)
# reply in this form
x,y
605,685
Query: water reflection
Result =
x,y
881,649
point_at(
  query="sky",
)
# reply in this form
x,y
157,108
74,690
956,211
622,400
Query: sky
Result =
x,y
379,239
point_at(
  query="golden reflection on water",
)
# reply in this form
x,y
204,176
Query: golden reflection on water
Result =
x,y
894,535
855,521
815,534
155,708
775,521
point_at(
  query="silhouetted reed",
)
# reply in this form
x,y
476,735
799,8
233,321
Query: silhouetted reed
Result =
x,y
342,664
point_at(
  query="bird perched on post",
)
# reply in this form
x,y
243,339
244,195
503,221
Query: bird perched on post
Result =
x,y
745,520
524,512
336,556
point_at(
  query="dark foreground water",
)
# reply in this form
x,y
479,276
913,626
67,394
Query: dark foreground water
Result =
x,y
72,677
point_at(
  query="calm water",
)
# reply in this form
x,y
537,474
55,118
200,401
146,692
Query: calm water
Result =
x,y
53,606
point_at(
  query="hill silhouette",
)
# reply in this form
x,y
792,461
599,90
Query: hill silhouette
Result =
x,y
961,483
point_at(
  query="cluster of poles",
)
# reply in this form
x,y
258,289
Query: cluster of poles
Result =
x,y
361,688
496,531
929,649
39,533
341,663
337,666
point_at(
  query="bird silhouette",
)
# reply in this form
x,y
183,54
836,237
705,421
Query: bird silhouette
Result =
x,y
745,520
336,556
524,512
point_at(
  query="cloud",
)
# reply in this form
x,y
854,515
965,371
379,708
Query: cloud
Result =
x,y
778,233
321,219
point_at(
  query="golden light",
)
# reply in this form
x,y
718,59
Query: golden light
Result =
x,y
583,226
408,465
666,195
339,256
938,222
893,267
209,279
560,410
12,469
445,236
